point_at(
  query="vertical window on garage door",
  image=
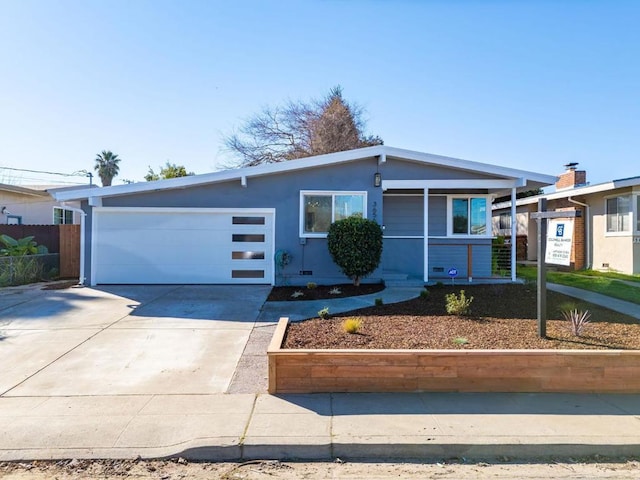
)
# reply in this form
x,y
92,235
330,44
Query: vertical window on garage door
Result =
x,y
247,220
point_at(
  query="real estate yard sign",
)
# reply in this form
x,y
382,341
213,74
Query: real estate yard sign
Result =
x,y
559,241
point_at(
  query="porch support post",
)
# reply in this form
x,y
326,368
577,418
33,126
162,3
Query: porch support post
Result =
x,y
426,234
514,232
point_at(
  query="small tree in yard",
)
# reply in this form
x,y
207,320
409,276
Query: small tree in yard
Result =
x,y
355,244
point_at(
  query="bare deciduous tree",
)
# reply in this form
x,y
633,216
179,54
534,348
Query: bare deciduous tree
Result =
x,y
301,129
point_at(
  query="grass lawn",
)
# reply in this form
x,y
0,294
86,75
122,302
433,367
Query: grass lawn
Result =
x,y
606,283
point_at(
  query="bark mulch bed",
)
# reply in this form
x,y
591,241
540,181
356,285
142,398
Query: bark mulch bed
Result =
x,y
322,292
502,317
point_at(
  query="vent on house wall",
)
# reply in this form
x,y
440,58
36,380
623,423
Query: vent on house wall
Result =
x,y
605,265
438,269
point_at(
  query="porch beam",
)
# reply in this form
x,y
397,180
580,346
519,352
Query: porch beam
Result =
x,y
453,184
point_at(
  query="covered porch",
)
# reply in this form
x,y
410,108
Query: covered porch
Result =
x,y
434,229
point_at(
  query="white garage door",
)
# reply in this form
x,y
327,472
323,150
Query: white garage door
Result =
x,y
179,245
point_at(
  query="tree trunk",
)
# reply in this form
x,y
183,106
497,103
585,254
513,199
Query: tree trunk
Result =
x,y
356,281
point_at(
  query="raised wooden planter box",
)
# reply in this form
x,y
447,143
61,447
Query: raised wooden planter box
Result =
x,y
569,371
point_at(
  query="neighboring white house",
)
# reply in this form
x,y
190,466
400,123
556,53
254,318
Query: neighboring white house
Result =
x,y
34,205
606,237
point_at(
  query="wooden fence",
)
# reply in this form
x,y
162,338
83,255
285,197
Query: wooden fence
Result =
x,y
69,239
62,239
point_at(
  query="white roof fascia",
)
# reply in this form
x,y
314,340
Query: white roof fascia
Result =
x,y
381,151
23,190
573,192
470,165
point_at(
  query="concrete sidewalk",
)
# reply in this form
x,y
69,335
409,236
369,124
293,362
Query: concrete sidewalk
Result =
x,y
301,310
372,427
627,308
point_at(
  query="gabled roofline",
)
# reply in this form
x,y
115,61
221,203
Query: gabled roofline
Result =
x,y
242,174
23,190
574,192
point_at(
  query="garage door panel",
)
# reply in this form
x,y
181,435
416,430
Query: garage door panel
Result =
x,y
157,246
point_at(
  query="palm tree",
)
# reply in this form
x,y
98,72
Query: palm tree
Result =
x,y
107,166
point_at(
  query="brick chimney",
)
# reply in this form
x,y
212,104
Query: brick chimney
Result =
x,y
571,177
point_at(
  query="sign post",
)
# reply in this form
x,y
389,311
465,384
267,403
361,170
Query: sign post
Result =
x,y
558,253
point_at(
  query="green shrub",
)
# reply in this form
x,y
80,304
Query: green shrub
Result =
x,y
439,285
352,325
20,270
424,293
460,341
355,245
324,313
20,247
458,305
312,285
379,302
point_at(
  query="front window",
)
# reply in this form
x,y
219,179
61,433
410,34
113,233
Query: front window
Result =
x,y
62,216
321,209
618,218
638,213
469,216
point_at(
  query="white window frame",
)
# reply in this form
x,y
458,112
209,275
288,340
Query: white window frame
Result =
x,y
488,232
63,215
631,214
333,194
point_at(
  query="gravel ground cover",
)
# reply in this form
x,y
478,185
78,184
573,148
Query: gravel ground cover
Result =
x,y
502,317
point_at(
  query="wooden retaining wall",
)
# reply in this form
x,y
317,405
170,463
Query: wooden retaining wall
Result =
x,y
569,371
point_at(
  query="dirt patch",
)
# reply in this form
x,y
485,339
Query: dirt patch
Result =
x,y
503,317
459,469
322,292
60,285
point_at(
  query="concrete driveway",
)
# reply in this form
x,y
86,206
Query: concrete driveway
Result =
x,y
124,340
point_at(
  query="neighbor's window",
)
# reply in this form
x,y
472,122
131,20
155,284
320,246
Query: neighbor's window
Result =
x,y
321,209
469,216
618,218
505,221
62,216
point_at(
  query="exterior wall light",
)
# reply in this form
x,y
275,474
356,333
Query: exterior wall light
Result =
x,y
377,179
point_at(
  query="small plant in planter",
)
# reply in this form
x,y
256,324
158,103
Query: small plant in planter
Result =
x,y
578,320
460,341
312,285
324,313
297,294
458,305
378,301
335,291
424,293
352,325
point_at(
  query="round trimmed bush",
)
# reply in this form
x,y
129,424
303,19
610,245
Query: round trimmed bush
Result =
x,y
355,244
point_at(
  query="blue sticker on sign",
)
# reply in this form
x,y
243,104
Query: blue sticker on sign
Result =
x,y
453,272
560,230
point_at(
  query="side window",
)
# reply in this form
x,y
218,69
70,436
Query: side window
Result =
x,y
618,214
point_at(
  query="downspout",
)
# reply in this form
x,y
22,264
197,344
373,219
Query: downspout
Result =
x,y
587,229
82,249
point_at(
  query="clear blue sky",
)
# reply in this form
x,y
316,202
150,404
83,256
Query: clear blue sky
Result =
x,y
530,85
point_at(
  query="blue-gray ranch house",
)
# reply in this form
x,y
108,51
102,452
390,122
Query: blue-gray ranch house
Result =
x,y
230,226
